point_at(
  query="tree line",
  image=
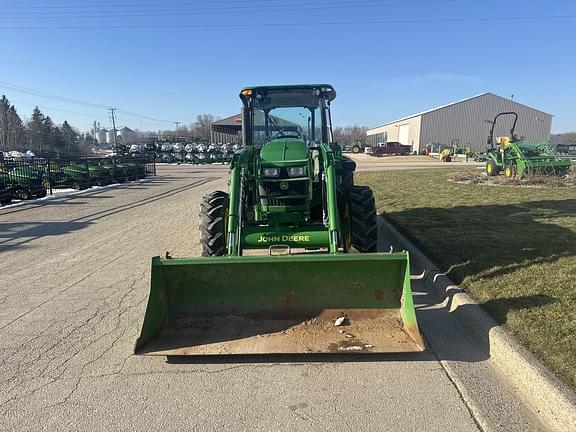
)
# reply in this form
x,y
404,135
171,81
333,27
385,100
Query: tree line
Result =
x,y
563,138
39,134
43,137
201,128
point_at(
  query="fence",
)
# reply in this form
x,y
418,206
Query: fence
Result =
x,y
34,178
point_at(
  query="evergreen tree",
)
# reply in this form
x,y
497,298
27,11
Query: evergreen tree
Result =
x,y
35,128
12,133
70,138
17,133
48,135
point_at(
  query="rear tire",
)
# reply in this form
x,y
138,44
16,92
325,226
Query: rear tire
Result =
x,y
213,215
363,224
347,179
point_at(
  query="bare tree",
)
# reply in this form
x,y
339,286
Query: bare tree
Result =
x,y
203,126
349,134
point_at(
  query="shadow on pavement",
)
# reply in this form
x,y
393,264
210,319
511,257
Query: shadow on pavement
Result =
x,y
16,234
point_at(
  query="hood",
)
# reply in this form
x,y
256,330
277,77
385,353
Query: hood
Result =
x,y
284,150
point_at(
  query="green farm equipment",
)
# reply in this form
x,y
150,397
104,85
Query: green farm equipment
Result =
x,y
356,147
99,176
5,190
127,171
516,159
76,175
124,170
26,182
289,253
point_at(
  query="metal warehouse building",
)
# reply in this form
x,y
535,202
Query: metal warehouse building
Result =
x,y
467,121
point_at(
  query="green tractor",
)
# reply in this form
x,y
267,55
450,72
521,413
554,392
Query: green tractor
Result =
x,y
289,252
26,182
516,159
356,147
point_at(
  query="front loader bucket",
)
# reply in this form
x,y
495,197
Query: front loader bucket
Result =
x,y
280,304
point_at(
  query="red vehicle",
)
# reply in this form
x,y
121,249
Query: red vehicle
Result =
x,y
388,148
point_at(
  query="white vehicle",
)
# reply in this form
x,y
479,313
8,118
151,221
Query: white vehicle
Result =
x,y
178,148
135,148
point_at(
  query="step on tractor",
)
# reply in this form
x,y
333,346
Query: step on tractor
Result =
x,y
513,157
289,254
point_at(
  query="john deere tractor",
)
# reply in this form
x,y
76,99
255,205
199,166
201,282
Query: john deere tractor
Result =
x,y
516,159
288,252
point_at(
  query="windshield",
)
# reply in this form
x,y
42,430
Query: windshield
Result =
x,y
287,122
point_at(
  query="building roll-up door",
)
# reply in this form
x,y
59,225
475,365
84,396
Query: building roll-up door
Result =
x,y
404,134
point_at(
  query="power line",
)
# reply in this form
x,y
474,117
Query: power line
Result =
x,y
144,117
184,5
45,107
46,95
300,24
210,10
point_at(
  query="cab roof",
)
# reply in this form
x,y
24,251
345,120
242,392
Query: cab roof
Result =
x,y
326,89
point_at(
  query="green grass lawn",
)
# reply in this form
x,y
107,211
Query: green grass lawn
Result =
x,y
512,248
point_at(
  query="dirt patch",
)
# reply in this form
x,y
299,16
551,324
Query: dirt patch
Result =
x,y
374,332
529,180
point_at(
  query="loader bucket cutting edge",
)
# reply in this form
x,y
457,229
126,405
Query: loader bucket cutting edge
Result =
x,y
280,305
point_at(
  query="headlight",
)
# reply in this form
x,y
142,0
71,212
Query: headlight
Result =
x,y
271,172
297,171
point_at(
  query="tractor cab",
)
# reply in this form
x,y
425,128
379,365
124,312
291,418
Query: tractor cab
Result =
x,y
285,126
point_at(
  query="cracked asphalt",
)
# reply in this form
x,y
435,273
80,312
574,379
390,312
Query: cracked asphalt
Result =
x,y
74,274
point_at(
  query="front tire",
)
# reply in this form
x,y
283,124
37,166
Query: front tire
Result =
x,y
363,224
491,168
510,171
213,223
23,194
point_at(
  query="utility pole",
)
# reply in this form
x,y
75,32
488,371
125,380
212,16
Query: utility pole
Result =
x,y
113,126
176,123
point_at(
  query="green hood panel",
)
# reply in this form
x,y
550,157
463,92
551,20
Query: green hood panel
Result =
x,y
284,150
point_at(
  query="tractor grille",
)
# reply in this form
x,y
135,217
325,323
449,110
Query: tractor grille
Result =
x,y
272,194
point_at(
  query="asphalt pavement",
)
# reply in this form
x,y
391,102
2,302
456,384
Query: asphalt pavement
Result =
x,y
74,281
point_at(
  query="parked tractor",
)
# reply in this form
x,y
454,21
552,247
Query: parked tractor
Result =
x,y
26,183
516,159
356,147
289,252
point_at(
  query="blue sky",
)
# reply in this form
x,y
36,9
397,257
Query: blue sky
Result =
x,y
175,59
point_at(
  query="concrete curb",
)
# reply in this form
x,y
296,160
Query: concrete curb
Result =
x,y
544,395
